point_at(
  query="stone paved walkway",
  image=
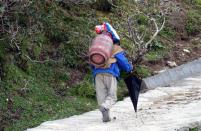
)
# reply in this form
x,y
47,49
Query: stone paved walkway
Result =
x,y
177,107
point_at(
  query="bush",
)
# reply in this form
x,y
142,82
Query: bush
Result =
x,y
122,90
168,32
85,88
193,23
198,2
143,71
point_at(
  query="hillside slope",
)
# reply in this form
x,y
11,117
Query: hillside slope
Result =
x,y
43,70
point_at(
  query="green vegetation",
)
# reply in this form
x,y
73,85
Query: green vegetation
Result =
x,y
193,22
43,46
34,84
198,2
85,88
158,52
195,129
168,33
155,55
39,96
143,71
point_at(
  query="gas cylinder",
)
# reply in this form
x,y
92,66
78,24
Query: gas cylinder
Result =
x,y
100,50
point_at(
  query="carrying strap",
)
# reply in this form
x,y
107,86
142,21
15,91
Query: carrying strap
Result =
x,y
116,49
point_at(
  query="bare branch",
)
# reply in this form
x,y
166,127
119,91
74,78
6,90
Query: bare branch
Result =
x,y
78,2
111,2
13,36
131,31
37,61
137,36
157,30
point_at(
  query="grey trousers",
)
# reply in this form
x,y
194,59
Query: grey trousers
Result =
x,y
106,90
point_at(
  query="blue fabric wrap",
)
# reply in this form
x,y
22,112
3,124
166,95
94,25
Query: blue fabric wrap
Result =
x,y
115,68
111,30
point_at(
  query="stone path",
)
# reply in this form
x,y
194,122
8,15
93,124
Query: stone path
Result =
x,y
174,108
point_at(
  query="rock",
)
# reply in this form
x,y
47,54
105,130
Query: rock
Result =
x,y
158,72
186,51
171,63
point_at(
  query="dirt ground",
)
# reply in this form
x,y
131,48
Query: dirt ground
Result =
x,y
177,54
183,47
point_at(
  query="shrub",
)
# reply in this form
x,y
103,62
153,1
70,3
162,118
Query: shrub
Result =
x,y
193,23
85,88
142,71
198,2
168,32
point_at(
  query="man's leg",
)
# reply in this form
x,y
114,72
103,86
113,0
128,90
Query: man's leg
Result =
x,y
101,94
101,91
111,98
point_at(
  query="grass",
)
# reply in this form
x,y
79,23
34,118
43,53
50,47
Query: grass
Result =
x,y
195,129
193,22
155,55
32,92
198,2
51,109
168,32
37,101
143,71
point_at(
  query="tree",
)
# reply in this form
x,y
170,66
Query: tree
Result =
x,y
141,28
142,37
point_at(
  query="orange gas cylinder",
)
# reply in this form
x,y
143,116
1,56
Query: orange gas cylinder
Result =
x,y
100,50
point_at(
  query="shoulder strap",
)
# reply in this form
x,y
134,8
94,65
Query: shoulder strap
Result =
x,y
116,49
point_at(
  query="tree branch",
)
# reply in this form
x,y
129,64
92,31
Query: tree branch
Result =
x,y
37,61
157,30
138,37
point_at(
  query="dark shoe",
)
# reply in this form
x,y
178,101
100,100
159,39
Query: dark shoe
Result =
x,y
105,113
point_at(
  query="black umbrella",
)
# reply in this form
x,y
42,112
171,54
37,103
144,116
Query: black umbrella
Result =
x,y
133,84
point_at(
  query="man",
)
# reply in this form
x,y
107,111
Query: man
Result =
x,y
106,80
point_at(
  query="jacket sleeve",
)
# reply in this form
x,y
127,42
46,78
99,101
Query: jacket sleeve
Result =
x,y
123,63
